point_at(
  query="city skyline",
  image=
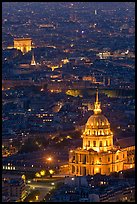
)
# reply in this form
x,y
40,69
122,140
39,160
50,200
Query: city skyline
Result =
x,y
68,101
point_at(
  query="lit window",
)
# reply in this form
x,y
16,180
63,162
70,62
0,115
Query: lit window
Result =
x,y
106,143
117,157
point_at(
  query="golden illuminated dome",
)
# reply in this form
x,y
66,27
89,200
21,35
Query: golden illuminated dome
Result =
x,y
97,121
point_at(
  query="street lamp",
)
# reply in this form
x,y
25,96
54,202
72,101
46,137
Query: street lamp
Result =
x,y
42,172
49,159
51,172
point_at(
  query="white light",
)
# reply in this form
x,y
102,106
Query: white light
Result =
x,y
52,184
72,179
32,165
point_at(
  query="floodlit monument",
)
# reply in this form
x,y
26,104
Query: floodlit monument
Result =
x,y
99,154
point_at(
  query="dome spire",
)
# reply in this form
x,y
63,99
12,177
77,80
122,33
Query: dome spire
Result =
x,y
97,104
97,95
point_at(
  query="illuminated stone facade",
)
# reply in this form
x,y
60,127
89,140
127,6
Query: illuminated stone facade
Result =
x,y
23,44
99,154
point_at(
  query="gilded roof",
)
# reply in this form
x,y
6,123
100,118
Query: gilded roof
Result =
x,y
97,121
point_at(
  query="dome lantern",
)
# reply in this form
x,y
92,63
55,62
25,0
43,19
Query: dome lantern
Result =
x,y
97,109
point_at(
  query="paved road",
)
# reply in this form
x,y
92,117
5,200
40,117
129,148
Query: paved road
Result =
x,y
43,187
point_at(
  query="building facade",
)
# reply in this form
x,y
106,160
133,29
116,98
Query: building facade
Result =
x,y
23,44
13,188
99,154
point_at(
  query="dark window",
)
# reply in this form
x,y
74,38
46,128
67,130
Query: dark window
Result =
x,y
88,143
94,143
100,144
106,143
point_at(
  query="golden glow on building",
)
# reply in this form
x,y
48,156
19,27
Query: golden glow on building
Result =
x,y
23,44
98,154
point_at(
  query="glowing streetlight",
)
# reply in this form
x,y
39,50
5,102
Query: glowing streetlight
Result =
x,y
37,174
23,177
49,159
42,172
51,172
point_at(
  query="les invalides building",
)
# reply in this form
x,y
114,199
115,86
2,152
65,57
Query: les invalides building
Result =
x,y
99,154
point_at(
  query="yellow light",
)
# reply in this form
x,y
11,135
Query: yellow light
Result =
x,y
42,172
37,174
51,171
131,165
69,137
23,177
37,197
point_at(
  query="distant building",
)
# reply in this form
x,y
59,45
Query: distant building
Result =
x,y
15,187
76,181
89,78
98,154
23,44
